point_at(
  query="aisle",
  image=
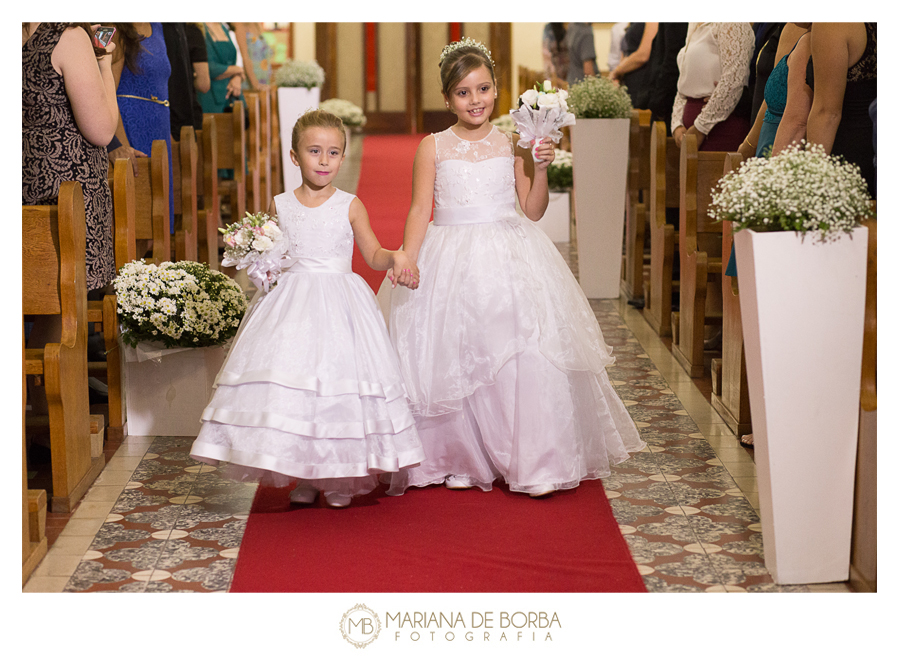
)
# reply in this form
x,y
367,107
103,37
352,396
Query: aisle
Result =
x,y
385,188
687,505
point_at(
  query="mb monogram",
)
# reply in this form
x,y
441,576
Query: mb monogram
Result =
x,y
360,626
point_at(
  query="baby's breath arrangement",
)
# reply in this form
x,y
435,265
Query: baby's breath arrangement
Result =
x,y
559,173
183,304
599,98
352,115
295,73
506,123
801,189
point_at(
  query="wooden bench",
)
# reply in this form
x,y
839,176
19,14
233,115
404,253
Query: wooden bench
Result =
x,y
232,154
209,211
664,195
636,201
185,181
700,250
151,204
254,150
277,179
265,147
730,397
34,502
53,283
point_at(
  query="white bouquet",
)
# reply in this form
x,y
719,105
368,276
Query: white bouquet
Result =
x,y
541,114
256,244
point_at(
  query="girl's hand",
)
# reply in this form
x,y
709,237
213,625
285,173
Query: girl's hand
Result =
x,y
404,271
544,154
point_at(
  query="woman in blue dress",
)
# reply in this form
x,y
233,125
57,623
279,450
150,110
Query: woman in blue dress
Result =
x,y
141,70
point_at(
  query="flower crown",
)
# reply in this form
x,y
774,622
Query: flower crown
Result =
x,y
463,43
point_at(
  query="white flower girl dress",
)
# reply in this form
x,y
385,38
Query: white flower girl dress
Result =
x,y
311,388
501,352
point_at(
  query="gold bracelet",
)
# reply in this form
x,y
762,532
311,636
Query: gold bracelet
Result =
x,y
747,142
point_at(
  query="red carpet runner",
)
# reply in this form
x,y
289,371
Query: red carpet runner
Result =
x,y
432,539
437,540
385,188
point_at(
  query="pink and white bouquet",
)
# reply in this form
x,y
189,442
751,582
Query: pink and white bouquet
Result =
x,y
256,244
541,113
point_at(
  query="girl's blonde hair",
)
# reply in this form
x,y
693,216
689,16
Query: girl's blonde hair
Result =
x,y
459,63
317,119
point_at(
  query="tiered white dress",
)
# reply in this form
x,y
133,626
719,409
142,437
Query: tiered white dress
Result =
x,y
499,348
311,389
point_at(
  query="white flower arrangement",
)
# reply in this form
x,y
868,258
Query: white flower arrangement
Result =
x,y
256,244
505,123
801,189
599,98
559,173
296,73
352,115
542,111
183,304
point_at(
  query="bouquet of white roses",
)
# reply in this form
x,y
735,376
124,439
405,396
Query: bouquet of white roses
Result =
x,y
183,304
541,113
800,189
256,244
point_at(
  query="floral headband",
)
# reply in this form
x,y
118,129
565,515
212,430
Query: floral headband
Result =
x,y
463,43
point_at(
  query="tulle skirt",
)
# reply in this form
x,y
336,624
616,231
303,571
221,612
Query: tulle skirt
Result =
x,y
311,391
505,363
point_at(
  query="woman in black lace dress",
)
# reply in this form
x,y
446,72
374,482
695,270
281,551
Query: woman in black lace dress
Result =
x,y
842,73
69,115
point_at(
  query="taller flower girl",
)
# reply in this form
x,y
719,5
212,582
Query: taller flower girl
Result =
x,y
502,355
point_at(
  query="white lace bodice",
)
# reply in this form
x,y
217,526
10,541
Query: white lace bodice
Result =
x,y
478,173
322,232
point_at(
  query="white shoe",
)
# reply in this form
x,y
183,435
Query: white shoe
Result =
x,y
335,499
541,494
304,495
453,482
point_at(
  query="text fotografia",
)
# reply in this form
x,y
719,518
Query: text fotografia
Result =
x,y
478,626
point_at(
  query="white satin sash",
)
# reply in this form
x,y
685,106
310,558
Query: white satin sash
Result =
x,y
473,214
337,265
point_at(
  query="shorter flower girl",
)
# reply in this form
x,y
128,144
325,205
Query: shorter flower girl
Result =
x,y
311,394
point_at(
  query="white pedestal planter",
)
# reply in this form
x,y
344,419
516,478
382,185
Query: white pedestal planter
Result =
x,y
165,396
600,167
555,222
292,102
802,305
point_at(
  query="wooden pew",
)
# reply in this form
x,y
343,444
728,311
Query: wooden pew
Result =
x,y
255,198
151,196
638,194
664,194
53,283
730,397
868,391
232,154
34,539
265,147
209,212
185,181
277,179
700,250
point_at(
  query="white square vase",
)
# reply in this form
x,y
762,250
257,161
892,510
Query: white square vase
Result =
x,y
165,396
600,168
292,102
802,308
556,219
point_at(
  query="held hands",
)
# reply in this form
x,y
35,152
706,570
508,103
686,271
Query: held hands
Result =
x,y
681,131
404,271
543,154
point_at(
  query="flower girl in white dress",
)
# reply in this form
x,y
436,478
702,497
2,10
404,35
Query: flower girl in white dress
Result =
x,y
500,350
311,392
